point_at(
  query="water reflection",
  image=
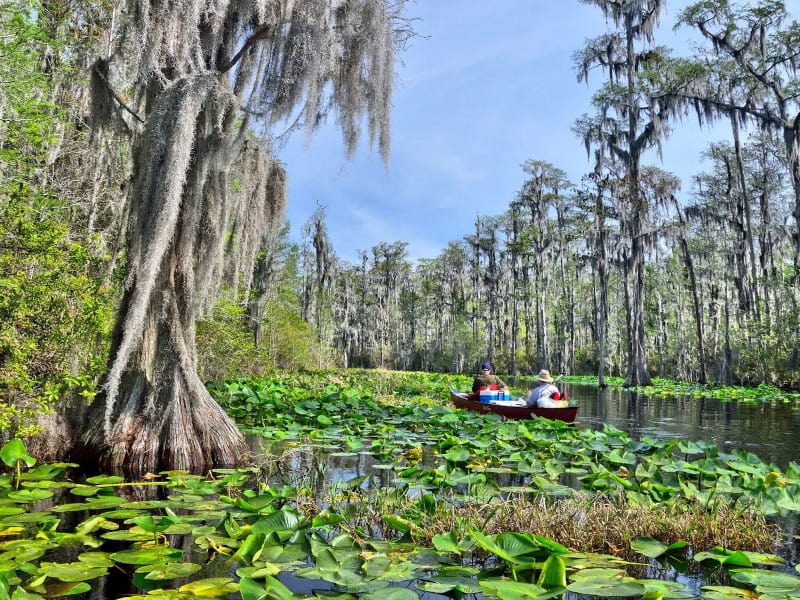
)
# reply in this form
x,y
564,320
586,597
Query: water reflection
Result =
x,y
769,430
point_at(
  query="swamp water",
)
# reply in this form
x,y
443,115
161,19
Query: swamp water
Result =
x,y
769,430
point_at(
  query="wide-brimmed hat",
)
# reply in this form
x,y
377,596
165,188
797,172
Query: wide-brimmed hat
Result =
x,y
544,375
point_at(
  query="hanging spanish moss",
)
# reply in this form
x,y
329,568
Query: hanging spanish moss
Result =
x,y
206,81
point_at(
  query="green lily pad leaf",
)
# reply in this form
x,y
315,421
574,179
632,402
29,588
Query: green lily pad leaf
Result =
x,y
96,559
127,536
324,420
122,513
104,502
153,524
327,517
213,587
8,511
147,556
22,551
606,587
457,455
508,546
56,590
105,479
442,583
658,589
759,558
725,592
505,589
29,495
95,523
771,579
553,489
391,593
399,523
84,490
260,572
724,557
171,570
11,531
653,548
71,572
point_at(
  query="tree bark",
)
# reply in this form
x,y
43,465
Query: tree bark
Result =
x,y
164,418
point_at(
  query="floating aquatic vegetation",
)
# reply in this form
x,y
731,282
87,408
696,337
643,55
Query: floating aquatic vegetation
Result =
x,y
442,501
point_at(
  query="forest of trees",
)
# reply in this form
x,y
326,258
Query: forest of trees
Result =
x,y
612,275
143,247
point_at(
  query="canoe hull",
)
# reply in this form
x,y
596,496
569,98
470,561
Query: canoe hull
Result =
x,y
567,415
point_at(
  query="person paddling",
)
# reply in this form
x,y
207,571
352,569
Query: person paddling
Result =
x,y
545,393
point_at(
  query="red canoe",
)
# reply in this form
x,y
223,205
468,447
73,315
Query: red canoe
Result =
x,y
567,415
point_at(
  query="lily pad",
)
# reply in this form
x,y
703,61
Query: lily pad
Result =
x,y
505,589
214,587
653,548
147,556
169,570
71,572
391,593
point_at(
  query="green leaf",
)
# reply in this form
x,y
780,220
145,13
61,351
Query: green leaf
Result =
x,y
391,593
457,455
14,450
214,587
554,573
506,589
653,548
29,495
769,579
71,572
273,589
510,547
284,520
166,571
446,542
147,556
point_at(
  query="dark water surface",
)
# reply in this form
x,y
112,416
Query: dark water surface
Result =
x,y
769,430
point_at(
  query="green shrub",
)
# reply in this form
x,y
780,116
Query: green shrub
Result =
x,y
226,348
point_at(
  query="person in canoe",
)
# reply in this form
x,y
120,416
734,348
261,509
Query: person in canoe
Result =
x,y
486,385
546,394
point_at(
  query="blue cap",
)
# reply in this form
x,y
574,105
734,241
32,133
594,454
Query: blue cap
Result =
x,y
487,366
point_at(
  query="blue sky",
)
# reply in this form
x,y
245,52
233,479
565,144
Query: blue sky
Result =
x,y
486,86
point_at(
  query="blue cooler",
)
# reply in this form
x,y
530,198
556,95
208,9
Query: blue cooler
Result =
x,y
488,395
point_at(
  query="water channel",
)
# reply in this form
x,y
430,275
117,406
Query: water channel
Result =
x,y
769,430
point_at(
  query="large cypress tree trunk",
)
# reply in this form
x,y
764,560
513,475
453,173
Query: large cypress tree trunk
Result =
x,y
152,412
164,418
